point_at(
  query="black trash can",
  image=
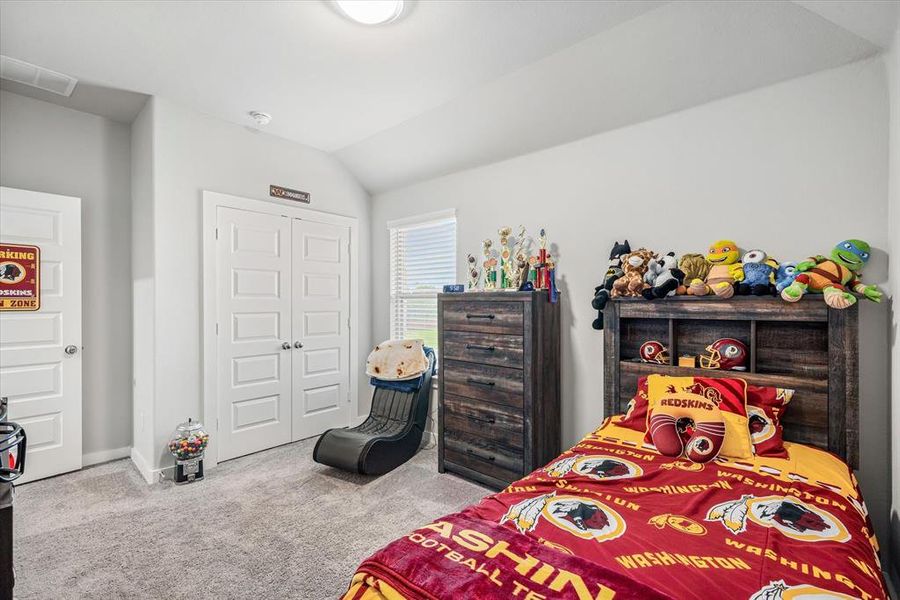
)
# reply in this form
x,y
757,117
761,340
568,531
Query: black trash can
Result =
x,y
12,466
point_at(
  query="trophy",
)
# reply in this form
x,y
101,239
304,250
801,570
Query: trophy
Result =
x,y
472,268
514,268
490,265
504,233
542,279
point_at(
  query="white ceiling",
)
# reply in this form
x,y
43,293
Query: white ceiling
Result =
x,y
455,83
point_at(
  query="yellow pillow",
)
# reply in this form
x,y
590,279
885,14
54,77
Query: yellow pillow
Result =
x,y
677,395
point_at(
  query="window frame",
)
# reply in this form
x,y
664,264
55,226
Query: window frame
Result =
x,y
394,294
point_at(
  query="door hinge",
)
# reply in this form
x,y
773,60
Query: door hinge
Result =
x,y
217,329
217,233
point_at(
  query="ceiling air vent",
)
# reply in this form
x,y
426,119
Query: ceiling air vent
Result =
x,y
39,77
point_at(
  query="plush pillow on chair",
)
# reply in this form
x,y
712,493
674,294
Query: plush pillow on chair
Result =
x,y
712,412
765,406
635,416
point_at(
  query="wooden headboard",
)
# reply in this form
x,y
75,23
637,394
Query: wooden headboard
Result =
x,y
804,346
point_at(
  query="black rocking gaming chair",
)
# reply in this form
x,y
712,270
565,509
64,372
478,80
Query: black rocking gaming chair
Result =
x,y
389,437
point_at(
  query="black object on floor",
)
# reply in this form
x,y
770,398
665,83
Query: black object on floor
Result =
x,y
12,466
389,437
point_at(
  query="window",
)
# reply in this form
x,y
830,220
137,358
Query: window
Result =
x,y
423,260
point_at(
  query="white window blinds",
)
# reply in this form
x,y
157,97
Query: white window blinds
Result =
x,y
423,260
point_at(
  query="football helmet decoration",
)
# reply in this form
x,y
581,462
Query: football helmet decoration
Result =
x,y
727,354
654,352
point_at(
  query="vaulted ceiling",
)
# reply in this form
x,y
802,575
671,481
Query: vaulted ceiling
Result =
x,y
454,84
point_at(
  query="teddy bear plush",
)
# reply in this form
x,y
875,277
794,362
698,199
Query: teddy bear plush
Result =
x,y
725,272
613,272
663,277
634,266
694,267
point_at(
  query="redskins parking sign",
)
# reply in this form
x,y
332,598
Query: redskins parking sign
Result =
x,y
20,277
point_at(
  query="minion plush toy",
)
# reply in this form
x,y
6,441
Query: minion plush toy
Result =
x,y
832,277
725,271
759,274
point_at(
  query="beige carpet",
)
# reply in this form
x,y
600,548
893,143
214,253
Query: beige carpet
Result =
x,y
271,525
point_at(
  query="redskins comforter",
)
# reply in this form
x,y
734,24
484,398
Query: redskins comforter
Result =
x,y
613,519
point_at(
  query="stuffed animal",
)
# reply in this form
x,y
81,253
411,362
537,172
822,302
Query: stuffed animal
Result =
x,y
725,272
663,277
634,265
759,274
832,276
694,266
613,272
785,275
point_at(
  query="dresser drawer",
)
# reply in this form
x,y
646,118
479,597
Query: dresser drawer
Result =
x,y
482,456
465,416
484,317
485,382
484,348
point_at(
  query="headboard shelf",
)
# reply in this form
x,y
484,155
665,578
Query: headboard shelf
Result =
x,y
803,346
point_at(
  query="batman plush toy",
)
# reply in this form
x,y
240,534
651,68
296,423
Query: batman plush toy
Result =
x,y
613,272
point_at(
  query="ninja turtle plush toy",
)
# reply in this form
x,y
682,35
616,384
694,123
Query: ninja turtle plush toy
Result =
x,y
832,276
726,270
759,274
613,272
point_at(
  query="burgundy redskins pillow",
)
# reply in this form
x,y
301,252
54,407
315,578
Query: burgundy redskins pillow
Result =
x,y
765,407
635,416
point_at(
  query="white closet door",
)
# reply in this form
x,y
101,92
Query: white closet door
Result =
x,y
40,351
254,323
321,306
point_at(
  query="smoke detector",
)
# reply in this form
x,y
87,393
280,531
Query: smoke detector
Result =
x,y
35,76
261,118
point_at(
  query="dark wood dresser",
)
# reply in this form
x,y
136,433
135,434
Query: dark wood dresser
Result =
x,y
499,408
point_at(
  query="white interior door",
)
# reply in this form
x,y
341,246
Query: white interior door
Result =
x,y
42,380
321,307
253,256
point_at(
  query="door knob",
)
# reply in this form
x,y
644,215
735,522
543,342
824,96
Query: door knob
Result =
x,y
286,346
71,349
298,344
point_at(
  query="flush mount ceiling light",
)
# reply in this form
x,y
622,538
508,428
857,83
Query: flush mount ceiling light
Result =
x,y
371,12
261,118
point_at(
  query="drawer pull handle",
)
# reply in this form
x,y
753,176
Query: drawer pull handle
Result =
x,y
477,455
489,421
479,382
478,347
472,316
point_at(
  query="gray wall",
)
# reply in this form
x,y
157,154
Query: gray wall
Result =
x,y
892,63
47,148
192,152
792,169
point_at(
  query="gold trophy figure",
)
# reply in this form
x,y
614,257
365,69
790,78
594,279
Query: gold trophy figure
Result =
x,y
472,269
514,267
504,233
490,265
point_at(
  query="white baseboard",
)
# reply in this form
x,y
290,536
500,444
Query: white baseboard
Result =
x,y
149,474
102,456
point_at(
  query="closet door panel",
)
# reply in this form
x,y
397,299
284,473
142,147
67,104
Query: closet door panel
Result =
x,y
254,323
321,313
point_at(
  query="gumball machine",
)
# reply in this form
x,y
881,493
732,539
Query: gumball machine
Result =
x,y
187,446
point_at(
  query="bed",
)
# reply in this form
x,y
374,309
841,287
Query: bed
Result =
x,y
613,518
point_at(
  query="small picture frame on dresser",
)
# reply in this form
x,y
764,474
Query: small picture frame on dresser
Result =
x,y
499,384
